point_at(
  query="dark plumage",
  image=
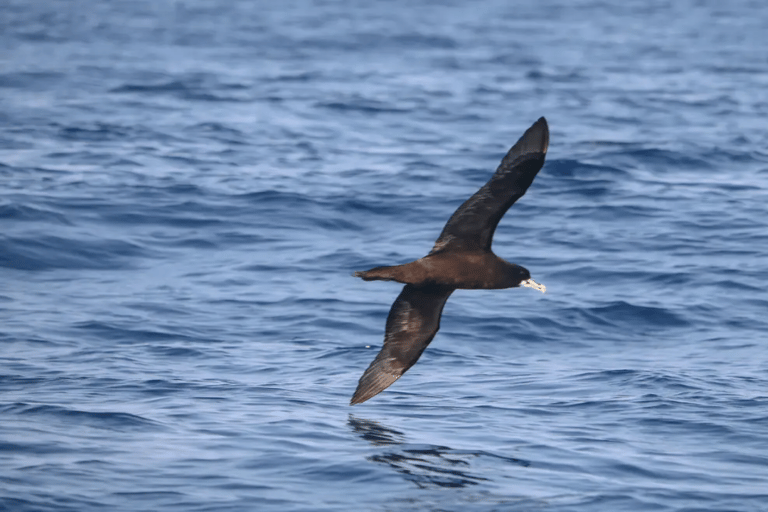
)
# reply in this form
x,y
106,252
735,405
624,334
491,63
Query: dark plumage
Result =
x,y
461,258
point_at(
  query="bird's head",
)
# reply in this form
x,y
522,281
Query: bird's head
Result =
x,y
522,277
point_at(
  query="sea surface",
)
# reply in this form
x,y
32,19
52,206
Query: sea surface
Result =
x,y
187,186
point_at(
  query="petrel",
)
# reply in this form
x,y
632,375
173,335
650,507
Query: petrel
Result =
x,y
461,259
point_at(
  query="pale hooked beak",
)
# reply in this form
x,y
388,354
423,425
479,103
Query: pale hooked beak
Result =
x,y
530,283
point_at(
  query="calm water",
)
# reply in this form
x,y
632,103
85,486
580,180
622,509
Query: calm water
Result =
x,y
186,187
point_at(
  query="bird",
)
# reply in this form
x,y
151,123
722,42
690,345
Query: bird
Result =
x,y
460,259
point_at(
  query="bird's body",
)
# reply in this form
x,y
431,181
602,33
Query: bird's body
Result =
x,y
461,259
468,270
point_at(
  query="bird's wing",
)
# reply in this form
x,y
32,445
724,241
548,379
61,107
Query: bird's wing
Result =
x,y
473,224
412,323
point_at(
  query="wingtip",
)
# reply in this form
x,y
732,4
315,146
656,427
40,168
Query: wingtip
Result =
x,y
540,129
359,396
374,381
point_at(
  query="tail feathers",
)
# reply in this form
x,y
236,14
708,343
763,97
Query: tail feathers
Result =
x,y
377,274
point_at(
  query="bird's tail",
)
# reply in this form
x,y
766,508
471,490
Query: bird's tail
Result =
x,y
379,274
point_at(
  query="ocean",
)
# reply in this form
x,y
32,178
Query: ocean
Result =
x,y
187,186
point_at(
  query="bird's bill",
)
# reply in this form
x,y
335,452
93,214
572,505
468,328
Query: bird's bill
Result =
x,y
530,283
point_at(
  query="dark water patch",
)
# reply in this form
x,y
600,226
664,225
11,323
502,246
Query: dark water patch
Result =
x,y
10,381
7,170
403,41
45,504
562,76
725,155
363,106
598,274
31,447
661,383
262,268
567,168
336,224
276,197
335,353
626,212
622,313
299,76
105,160
219,132
412,40
23,212
151,387
192,87
186,214
31,80
369,202
335,259
177,352
98,132
740,187
695,428
192,243
729,284
115,333
118,421
49,252
657,160
236,238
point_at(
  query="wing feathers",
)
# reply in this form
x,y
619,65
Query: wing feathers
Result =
x,y
473,224
412,323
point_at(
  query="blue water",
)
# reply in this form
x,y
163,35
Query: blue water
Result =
x,y
186,188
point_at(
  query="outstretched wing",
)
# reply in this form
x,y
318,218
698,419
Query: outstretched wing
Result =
x,y
412,323
473,224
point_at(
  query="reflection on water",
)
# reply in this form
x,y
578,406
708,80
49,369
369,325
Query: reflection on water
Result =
x,y
427,466
374,433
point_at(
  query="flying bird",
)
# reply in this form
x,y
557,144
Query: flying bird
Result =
x,y
461,259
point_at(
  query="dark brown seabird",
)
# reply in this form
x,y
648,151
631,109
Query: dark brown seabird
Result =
x,y
461,259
